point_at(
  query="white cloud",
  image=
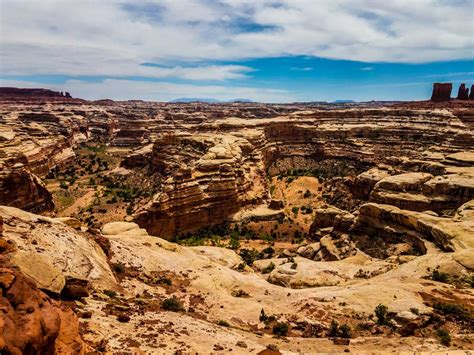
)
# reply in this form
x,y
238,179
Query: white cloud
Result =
x,y
112,37
367,68
466,73
302,68
156,91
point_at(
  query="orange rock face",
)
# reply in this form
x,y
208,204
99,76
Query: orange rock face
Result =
x,y
20,188
32,323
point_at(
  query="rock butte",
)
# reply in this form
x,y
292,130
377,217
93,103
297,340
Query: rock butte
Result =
x,y
348,206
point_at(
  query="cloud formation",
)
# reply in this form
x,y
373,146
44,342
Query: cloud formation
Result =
x,y
120,89
206,40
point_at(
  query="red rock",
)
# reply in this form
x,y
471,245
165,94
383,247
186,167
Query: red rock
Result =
x,y
463,92
31,322
471,95
441,92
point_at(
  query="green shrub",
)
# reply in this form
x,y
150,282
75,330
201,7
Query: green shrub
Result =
x,y
223,323
333,329
263,317
234,244
280,329
172,304
295,210
439,276
444,336
110,293
381,314
119,268
449,308
249,255
345,331
336,331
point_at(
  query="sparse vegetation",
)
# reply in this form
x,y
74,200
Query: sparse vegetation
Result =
x,y
280,329
119,268
336,331
444,336
449,308
223,323
110,293
249,255
439,276
172,304
381,314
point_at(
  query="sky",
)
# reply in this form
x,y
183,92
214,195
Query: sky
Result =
x,y
263,50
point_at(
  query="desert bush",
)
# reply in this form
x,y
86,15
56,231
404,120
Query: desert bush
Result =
x,y
172,304
223,323
449,308
280,329
439,276
110,293
381,314
119,268
444,336
249,255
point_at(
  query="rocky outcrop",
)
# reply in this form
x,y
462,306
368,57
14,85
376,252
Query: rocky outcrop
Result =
x,y
209,179
463,92
19,188
412,227
441,92
30,321
423,191
51,262
471,94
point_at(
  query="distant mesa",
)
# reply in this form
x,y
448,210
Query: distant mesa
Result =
x,y
206,100
343,102
33,92
442,92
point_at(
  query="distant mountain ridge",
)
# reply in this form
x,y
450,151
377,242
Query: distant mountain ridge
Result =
x,y
207,100
343,102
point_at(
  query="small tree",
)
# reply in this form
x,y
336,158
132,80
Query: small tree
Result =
x,y
280,329
381,314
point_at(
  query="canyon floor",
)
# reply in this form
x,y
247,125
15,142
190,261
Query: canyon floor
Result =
x,y
137,227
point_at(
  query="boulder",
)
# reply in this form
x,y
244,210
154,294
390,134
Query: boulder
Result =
x,y
117,228
41,270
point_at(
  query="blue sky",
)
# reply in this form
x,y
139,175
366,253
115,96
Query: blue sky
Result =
x,y
266,50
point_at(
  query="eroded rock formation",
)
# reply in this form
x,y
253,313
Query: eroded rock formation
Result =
x,y
441,92
385,197
22,189
30,321
463,92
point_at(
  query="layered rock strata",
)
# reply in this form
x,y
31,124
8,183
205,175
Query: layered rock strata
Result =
x,y
209,179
